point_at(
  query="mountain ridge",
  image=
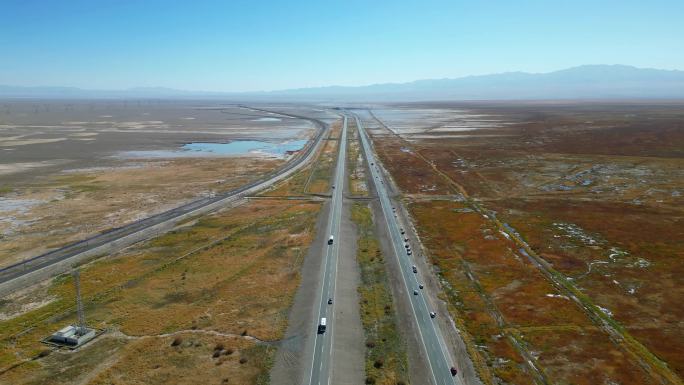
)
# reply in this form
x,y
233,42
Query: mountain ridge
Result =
x,y
595,81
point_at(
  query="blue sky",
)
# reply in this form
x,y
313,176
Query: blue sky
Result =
x,y
263,45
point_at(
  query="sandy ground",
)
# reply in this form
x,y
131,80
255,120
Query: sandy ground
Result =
x,y
290,367
69,206
64,174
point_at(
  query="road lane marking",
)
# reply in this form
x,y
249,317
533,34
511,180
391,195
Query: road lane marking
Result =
x,y
332,250
384,207
384,198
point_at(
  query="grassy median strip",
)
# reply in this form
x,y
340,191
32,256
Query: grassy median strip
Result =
x,y
386,360
319,181
355,163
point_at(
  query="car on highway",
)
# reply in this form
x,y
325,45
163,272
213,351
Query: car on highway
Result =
x,y
420,286
408,252
330,240
329,301
322,326
333,186
415,269
433,314
403,232
415,292
407,246
453,371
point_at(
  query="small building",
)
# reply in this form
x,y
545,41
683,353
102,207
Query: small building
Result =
x,y
72,336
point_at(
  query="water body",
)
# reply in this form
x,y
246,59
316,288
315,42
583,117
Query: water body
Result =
x,y
234,148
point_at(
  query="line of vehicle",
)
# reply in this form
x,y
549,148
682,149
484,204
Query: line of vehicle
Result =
x,y
397,242
325,341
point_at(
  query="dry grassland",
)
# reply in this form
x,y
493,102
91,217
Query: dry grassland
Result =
x,y
72,206
227,279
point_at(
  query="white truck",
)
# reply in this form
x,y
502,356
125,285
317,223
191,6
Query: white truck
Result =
x,y
322,326
330,240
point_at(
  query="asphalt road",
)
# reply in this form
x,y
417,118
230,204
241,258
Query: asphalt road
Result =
x,y
322,359
430,337
43,261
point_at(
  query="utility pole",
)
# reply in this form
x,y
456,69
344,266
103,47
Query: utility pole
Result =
x,y
82,329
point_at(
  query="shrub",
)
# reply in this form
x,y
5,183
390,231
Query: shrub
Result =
x,y
176,341
219,346
228,352
370,380
379,363
243,360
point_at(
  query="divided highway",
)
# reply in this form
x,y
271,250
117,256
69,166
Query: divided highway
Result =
x,y
26,268
321,362
436,351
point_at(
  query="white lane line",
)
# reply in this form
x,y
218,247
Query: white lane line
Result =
x,y
320,303
380,188
339,188
433,327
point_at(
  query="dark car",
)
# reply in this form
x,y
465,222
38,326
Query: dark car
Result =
x,y
453,371
420,286
415,269
329,301
433,314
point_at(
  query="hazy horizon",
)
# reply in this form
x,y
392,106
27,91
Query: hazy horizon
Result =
x,y
343,86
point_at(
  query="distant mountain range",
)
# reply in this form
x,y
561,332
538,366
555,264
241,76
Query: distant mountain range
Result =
x,y
583,82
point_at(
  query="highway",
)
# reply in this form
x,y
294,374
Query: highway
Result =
x,y
436,352
321,362
201,206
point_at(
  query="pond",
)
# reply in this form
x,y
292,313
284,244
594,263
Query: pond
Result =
x,y
234,148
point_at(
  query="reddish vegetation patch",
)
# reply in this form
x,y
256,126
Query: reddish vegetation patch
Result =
x,y
409,170
585,357
464,245
643,296
597,191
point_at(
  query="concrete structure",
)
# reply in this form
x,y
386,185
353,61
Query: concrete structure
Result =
x,y
72,336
